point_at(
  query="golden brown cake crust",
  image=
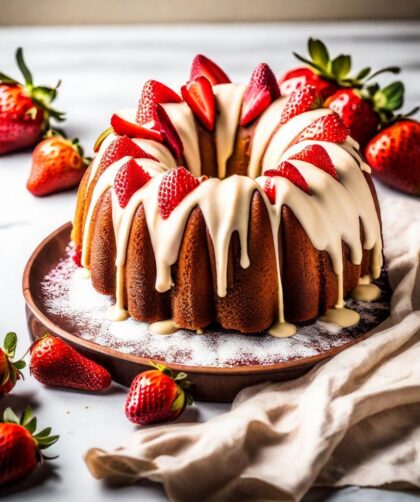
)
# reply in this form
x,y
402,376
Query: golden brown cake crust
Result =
x,y
309,283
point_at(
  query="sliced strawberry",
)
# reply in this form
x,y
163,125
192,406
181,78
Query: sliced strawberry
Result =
x,y
77,256
270,191
299,77
122,147
302,100
327,128
318,156
198,94
124,125
154,93
130,178
169,133
286,170
205,67
175,185
261,91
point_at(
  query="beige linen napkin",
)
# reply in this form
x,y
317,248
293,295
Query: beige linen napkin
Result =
x,y
352,420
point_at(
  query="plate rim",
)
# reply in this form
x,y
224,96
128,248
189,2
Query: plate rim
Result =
x,y
135,359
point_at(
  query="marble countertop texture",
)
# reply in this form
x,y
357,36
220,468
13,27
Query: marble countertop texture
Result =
x,y
102,69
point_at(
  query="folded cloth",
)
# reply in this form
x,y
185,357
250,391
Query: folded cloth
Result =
x,y
352,420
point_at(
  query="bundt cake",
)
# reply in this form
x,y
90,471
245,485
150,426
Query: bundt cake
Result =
x,y
229,204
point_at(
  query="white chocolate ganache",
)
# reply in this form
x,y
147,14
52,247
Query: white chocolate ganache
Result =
x,y
330,215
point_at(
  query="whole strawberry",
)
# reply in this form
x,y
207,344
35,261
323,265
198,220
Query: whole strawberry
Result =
x,y
362,111
303,76
10,371
20,447
327,75
394,156
25,109
157,396
55,363
57,164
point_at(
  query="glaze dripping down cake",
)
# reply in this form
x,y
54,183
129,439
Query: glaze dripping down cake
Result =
x,y
231,205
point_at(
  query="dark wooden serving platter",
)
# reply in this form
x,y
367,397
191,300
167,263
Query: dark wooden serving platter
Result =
x,y
210,383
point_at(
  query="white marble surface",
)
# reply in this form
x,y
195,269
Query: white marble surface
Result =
x,y
102,70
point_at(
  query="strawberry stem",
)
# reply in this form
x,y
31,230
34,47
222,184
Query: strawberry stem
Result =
x,y
27,75
43,438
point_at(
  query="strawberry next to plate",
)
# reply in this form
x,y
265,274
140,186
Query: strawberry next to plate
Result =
x,y
25,109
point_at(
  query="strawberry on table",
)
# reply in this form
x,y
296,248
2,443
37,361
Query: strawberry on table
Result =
x,y
261,91
326,74
55,363
157,396
198,94
202,66
25,110
362,111
10,370
394,156
174,187
57,164
20,446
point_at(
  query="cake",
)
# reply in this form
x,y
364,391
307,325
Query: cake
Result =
x,y
229,204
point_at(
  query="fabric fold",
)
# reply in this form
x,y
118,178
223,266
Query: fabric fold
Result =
x,y
351,420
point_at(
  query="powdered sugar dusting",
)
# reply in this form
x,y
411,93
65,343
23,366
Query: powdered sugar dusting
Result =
x,y
71,301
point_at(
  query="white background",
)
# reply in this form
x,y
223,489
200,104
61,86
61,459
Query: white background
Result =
x,y
102,70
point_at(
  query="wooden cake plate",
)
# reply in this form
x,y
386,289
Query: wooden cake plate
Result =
x,y
219,363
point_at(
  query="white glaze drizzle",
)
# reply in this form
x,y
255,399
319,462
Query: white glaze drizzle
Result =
x,y
285,135
331,214
266,126
166,234
158,151
98,157
228,103
182,118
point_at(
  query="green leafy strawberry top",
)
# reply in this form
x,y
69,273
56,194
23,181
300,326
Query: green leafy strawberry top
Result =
x,y
385,101
13,368
41,96
43,439
337,70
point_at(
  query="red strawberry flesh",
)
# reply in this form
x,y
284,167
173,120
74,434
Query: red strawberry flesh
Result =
x,y
198,94
174,187
202,66
394,156
285,170
261,91
154,93
326,128
154,397
299,77
124,126
300,101
318,156
169,132
130,178
122,147
55,363
356,113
